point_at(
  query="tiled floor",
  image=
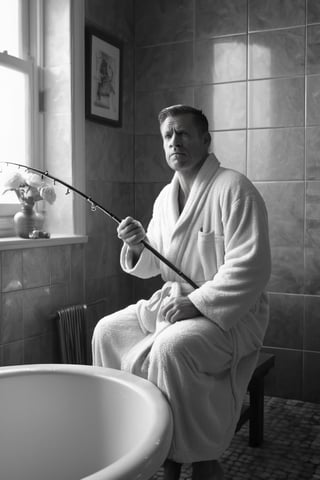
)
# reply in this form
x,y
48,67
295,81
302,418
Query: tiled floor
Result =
x,y
291,448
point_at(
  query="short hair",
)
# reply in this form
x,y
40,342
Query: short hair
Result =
x,y
175,110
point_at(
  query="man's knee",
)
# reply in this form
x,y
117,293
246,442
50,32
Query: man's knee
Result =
x,y
168,346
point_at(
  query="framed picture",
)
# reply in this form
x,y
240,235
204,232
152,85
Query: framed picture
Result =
x,y
103,78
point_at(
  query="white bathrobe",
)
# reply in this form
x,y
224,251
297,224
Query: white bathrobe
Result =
x,y
202,365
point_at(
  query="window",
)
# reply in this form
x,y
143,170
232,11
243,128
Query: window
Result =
x,y
19,121
41,57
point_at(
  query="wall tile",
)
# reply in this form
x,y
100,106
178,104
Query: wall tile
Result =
x,y
230,149
149,104
224,105
11,270
37,311
114,17
13,353
60,264
313,9
276,53
36,267
117,291
285,205
145,195
127,87
119,199
312,270
285,379
312,238
96,221
311,374
313,214
156,21
287,274
311,339
96,257
285,328
313,153
276,103
77,283
313,100
118,158
42,349
221,59
96,150
12,317
275,13
313,49
221,17
276,154
150,162
59,298
164,66
144,288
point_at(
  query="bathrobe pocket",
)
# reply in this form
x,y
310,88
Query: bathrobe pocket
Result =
x,y
211,252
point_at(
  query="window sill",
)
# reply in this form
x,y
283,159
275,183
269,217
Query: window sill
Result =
x,y
16,243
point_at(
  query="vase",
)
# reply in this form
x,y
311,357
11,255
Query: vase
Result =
x,y
27,220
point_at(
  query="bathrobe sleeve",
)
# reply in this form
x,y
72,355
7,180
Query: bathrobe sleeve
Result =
x,y
237,286
148,265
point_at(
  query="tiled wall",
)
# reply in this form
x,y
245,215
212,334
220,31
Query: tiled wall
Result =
x,y
34,284
253,66
110,168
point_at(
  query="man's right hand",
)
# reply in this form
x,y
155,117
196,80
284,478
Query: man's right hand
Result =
x,y
131,232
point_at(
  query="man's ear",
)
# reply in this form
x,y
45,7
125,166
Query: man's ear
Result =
x,y
207,138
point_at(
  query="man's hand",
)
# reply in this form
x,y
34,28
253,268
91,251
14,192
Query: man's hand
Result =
x,y
179,308
132,233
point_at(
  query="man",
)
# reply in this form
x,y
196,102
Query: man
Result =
x,y
199,346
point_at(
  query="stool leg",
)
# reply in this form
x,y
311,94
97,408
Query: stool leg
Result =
x,y
256,412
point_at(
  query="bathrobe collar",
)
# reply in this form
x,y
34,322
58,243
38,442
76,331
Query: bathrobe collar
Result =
x,y
198,192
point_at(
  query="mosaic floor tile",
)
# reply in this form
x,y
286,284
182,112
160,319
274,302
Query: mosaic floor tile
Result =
x,y
291,448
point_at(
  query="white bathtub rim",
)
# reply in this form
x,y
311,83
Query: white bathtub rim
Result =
x,y
129,465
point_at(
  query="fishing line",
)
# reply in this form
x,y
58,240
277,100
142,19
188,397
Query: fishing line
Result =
x,y
96,206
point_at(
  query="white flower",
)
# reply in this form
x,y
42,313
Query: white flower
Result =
x,y
29,187
33,180
48,193
11,180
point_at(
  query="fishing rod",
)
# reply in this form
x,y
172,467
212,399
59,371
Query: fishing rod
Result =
x,y
96,206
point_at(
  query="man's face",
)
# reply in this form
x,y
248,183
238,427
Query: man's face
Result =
x,y
185,147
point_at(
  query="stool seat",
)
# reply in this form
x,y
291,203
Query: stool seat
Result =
x,y
254,412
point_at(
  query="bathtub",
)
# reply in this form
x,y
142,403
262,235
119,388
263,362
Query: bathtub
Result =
x,y
72,422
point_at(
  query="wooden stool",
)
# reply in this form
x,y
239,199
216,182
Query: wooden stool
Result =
x,y
254,412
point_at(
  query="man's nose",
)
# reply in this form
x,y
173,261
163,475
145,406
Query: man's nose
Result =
x,y
175,140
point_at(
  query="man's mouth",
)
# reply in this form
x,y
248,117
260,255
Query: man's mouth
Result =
x,y
173,154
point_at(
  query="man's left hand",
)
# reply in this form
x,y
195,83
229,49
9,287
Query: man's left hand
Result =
x,y
179,308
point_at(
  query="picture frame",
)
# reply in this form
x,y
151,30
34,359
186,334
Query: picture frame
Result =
x,y
103,77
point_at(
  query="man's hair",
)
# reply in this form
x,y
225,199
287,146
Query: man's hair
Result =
x,y
175,110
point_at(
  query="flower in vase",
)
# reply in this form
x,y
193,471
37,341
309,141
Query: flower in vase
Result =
x,y
29,187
